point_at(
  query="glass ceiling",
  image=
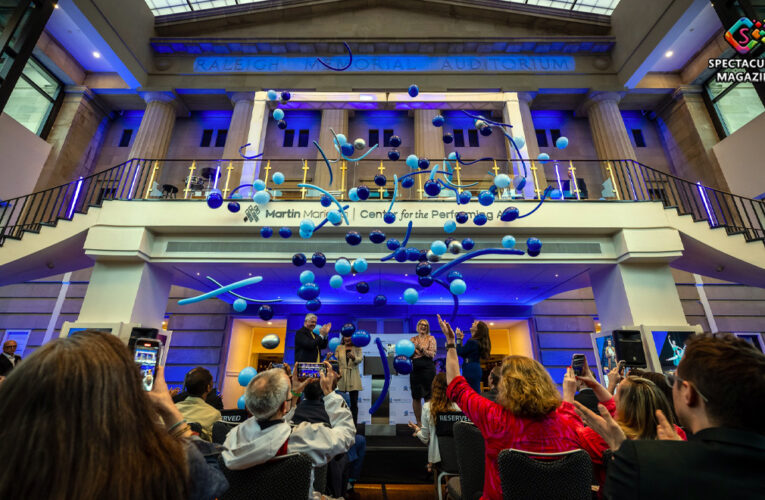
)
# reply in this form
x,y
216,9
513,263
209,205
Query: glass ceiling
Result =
x,y
163,7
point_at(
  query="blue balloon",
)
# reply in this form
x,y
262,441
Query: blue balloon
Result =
x,y
265,312
214,198
286,96
452,156
334,217
281,124
353,194
376,237
465,197
485,131
480,219
400,254
519,182
561,142
333,343
411,296
423,269
278,178
394,155
405,347
272,95
325,200
305,234
347,329
468,244
392,244
240,403
342,267
240,305
307,225
432,188
414,90
336,281
395,141
233,207
298,259
485,198
438,121
509,214
347,149
508,241
402,365
543,157
519,141
266,232
425,281
278,114
457,287
341,139
462,217
453,275
448,138
246,375
533,246
353,238
270,341
380,180
313,305
423,163
389,217
362,287
411,161
307,277
450,226
361,338
381,300
318,259
362,192
412,254
261,197
309,291
317,329
360,265
438,247
502,181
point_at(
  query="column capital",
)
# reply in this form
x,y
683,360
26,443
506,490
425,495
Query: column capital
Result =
x,y
237,97
526,97
597,97
158,96
687,91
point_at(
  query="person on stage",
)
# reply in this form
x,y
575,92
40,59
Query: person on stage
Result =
x,y
308,345
423,368
349,357
476,349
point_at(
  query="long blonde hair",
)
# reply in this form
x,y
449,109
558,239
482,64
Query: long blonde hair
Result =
x,y
639,398
526,389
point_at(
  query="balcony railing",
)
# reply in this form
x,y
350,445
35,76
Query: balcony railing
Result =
x,y
191,180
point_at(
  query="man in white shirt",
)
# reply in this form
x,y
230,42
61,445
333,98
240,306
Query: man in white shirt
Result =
x,y
194,408
9,359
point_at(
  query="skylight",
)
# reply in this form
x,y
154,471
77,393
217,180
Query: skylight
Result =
x,y
164,7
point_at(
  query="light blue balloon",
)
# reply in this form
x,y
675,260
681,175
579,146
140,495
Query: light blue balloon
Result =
x,y
412,161
561,142
360,265
502,181
240,403
508,241
341,139
450,226
457,287
278,114
317,329
519,141
261,198
258,185
342,267
278,178
543,157
411,296
353,194
438,247
246,375
333,343
334,217
240,305
305,234
452,156
405,347
272,95
336,281
307,225
307,277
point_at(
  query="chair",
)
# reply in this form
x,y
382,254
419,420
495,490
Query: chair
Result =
x,y
220,430
287,477
549,476
320,478
448,464
470,459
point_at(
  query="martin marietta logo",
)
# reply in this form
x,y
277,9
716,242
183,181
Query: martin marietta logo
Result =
x,y
744,36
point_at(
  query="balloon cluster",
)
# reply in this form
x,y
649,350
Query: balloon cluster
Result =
x,y
404,351
278,113
244,378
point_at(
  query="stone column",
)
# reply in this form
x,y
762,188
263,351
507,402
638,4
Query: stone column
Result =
x,y
256,137
428,143
153,137
608,131
337,119
239,127
517,112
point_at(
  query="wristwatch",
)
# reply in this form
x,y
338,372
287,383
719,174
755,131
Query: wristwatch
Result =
x,y
451,346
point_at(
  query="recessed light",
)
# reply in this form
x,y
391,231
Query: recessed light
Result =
x,y
491,324
96,54
197,274
270,322
556,275
406,274
55,6
669,53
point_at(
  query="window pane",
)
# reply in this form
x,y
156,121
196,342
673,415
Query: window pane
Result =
x,y
220,139
554,134
125,139
387,134
374,137
637,135
303,138
459,138
289,138
41,78
27,106
473,138
206,138
541,137
738,107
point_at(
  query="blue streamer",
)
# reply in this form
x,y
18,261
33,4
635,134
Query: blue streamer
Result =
x,y
459,160
456,299
350,61
384,359
317,188
544,195
245,298
248,157
491,122
403,244
325,160
395,192
336,142
477,253
321,224
221,290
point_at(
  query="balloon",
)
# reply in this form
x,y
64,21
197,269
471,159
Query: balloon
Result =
x,y
381,180
425,281
485,198
448,138
556,194
347,329
400,254
519,182
376,237
317,329
423,269
465,197
278,114
543,157
261,197
240,305
381,300
468,244
353,194
394,155
286,96
342,267
438,121
453,275
423,163
281,124
313,305
561,142
270,341
265,312
362,192
455,247
389,217
519,142
361,338
266,232
414,90
411,161
486,131
298,259
480,219
309,291
407,182
359,144
533,246
508,241
334,217
457,287
353,238
502,181
307,225
246,375
432,188
347,149
214,198
509,214
413,254
272,95
394,141
233,207
362,287
307,277
325,201
405,347
318,259
450,226
333,343
411,296
402,365
393,244
240,403
360,265
438,247
305,234
341,139
336,281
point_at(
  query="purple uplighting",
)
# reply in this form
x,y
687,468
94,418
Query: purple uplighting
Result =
x,y
74,198
710,214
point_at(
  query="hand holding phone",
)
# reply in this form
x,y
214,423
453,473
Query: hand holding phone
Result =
x,y
309,370
146,354
577,364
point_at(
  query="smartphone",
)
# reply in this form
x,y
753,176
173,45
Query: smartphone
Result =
x,y
577,363
622,366
310,370
146,354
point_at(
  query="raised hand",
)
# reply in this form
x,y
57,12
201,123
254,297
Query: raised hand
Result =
x,y
414,427
587,378
324,330
603,424
327,380
664,430
459,334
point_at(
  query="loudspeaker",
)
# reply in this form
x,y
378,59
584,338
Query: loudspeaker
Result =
x,y
629,347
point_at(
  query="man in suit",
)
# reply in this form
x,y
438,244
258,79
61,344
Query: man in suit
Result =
x,y
308,345
9,359
718,392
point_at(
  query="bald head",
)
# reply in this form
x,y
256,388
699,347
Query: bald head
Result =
x,y
9,347
266,393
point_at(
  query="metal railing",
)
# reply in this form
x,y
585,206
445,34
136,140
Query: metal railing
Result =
x,y
176,180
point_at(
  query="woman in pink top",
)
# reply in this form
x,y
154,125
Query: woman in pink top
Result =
x,y
423,369
528,415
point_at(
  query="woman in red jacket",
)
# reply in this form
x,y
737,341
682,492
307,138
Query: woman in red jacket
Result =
x,y
529,414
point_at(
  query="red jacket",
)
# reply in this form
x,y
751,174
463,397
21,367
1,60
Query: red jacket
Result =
x,y
502,430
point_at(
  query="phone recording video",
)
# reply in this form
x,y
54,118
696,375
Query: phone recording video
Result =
x,y
146,353
310,370
577,364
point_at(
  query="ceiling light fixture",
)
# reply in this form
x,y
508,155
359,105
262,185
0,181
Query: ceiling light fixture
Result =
x,y
491,324
270,322
96,54
669,53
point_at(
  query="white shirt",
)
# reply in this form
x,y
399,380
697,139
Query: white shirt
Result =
x,y
11,358
428,435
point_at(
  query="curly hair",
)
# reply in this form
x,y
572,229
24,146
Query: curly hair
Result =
x,y
526,388
439,402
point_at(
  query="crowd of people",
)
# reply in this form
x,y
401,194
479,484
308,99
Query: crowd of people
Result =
x,y
77,422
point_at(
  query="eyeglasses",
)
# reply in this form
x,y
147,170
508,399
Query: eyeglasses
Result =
x,y
672,377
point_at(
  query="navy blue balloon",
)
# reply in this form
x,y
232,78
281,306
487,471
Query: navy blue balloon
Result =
x,y
347,149
448,138
353,238
285,232
214,199
376,237
413,254
318,259
533,245
402,365
414,90
266,232
468,244
423,163
362,287
462,217
362,192
308,291
533,253
361,338
425,281
389,217
423,269
438,121
407,182
233,207
432,188
265,312
493,189
486,131
400,255
509,214
423,256
393,244
348,329
313,305
380,300
453,275
464,198
298,259
393,155
394,141
479,220
282,124
381,180
485,198
325,200
286,96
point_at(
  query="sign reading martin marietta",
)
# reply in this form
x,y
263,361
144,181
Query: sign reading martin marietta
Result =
x,y
386,63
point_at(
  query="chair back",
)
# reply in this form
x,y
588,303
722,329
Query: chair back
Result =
x,y
287,477
448,452
445,422
550,476
220,430
469,446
